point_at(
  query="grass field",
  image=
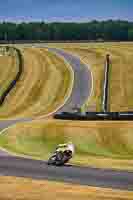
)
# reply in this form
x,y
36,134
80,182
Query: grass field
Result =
x,y
98,144
12,188
44,85
121,74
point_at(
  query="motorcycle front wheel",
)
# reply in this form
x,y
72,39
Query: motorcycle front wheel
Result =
x,y
52,160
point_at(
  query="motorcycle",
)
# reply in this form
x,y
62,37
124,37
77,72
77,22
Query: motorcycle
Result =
x,y
59,158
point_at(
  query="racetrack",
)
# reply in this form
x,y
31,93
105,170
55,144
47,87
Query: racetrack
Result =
x,y
81,91
22,167
15,166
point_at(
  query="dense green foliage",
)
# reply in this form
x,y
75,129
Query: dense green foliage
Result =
x,y
94,30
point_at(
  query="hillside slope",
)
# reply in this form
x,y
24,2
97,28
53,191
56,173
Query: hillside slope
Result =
x,y
43,86
98,144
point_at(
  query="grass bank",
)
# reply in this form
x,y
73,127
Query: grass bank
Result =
x,y
98,144
44,85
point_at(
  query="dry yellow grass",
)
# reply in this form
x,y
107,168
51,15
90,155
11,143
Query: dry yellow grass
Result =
x,y
98,144
12,188
121,76
43,86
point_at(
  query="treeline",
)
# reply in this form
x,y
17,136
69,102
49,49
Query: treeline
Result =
x,y
105,30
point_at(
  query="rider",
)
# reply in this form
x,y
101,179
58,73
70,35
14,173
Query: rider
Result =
x,y
66,147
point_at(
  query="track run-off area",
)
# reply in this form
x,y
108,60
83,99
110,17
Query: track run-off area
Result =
x,y
11,165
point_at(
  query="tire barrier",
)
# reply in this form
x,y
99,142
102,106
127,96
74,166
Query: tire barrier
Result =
x,y
88,116
17,77
106,85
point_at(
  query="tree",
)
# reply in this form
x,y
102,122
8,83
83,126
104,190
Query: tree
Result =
x,y
115,30
130,34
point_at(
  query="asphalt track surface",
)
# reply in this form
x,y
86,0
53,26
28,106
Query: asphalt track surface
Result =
x,y
23,167
82,81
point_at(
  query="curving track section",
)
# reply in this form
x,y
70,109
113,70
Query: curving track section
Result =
x,y
82,80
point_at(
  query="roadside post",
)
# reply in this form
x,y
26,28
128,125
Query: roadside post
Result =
x,y
105,103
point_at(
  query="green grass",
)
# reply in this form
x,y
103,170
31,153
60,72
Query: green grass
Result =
x,y
94,141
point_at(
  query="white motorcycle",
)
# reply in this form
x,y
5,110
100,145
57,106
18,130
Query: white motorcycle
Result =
x,y
59,158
